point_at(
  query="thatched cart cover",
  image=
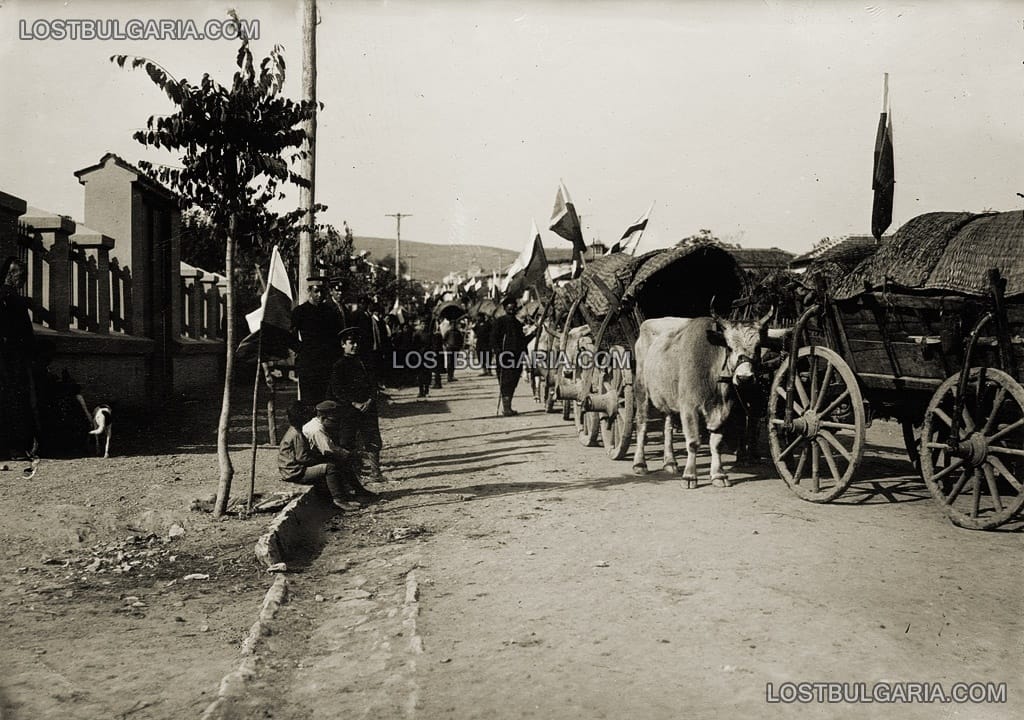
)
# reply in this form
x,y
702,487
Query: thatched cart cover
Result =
x,y
615,272
945,252
682,281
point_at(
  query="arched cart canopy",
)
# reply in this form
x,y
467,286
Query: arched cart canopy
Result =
x,y
944,252
450,310
682,281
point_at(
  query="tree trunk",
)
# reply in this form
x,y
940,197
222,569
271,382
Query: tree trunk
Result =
x,y
227,471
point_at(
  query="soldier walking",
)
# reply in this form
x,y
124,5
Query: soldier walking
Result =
x,y
508,343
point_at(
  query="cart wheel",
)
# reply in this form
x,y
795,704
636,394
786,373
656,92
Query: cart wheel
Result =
x,y
828,424
547,391
617,430
588,424
912,441
977,476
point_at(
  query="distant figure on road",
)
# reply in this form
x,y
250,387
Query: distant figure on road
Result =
x,y
482,332
508,343
420,356
317,324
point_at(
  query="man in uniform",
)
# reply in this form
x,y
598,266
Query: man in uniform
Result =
x,y
316,323
354,387
508,343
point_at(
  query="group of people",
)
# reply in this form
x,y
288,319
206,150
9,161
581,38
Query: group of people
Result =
x,y
334,438
334,435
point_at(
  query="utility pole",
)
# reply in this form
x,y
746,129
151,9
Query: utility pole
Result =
x,y
307,168
398,245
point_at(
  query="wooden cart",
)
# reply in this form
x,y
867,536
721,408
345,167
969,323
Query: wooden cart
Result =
x,y
928,331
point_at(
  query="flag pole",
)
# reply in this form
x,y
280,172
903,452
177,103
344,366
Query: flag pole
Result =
x,y
255,398
885,93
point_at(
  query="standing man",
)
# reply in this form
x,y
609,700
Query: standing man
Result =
x,y
316,323
354,387
482,333
337,300
421,356
508,343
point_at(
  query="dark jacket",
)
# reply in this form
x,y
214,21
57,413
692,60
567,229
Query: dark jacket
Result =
x,y
351,382
317,327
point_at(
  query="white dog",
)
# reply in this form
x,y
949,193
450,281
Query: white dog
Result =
x,y
103,422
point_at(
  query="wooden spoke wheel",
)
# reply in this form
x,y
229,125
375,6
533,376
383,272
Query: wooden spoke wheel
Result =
x,y
588,424
976,476
912,441
547,389
617,429
818,454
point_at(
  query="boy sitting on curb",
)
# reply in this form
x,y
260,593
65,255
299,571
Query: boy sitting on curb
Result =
x,y
308,455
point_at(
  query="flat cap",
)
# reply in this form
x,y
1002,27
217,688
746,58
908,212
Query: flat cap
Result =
x,y
349,332
327,407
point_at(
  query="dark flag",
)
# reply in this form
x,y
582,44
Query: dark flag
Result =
x,y
530,269
883,179
631,238
566,223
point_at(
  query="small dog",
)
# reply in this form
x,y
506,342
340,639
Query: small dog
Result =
x,y
103,422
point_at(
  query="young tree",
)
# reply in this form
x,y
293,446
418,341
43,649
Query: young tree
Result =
x,y
235,145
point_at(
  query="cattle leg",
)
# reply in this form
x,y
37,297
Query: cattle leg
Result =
x,y
718,476
691,430
670,465
639,462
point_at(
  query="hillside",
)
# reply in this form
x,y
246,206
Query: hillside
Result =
x,y
430,262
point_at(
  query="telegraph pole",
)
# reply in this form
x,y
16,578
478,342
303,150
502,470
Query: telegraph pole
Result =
x,y
307,168
398,245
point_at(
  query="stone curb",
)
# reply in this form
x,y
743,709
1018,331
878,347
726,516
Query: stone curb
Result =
x,y
297,526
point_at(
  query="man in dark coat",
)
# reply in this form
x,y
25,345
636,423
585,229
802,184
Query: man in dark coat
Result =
x,y
354,387
508,343
421,356
316,323
482,332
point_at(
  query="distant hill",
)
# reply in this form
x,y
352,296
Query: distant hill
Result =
x,y
430,262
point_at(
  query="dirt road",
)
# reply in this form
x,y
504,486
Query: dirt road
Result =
x,y
514,573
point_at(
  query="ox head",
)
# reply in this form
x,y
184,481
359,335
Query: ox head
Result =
x,y
742,340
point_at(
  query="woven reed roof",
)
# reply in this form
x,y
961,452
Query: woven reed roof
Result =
x,y
723,266
945,252
615,271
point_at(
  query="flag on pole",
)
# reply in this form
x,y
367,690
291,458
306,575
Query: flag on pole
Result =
x,y
631,238
270,325
396,310
529,269
566,223
883,178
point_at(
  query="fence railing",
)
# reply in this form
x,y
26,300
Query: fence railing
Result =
x,y
73,285
202,306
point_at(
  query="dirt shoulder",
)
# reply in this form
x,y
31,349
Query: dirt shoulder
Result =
x,y
117,599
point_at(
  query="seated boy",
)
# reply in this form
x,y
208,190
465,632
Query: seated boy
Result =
x,y
308,455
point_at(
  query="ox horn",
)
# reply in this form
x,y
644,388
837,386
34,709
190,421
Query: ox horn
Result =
x,y
711,310
767,316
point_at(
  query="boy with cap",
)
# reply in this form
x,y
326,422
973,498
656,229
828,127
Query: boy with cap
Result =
x,y
308,455
354,388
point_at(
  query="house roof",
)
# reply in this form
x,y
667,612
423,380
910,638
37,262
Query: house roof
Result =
x,y
142,177
761,258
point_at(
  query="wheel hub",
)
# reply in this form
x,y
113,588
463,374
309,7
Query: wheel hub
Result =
x,y
807,424
973,450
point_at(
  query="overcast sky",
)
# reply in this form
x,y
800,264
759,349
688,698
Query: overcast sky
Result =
x,y
753,119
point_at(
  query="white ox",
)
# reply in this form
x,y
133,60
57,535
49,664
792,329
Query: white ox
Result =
x,y
688,366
